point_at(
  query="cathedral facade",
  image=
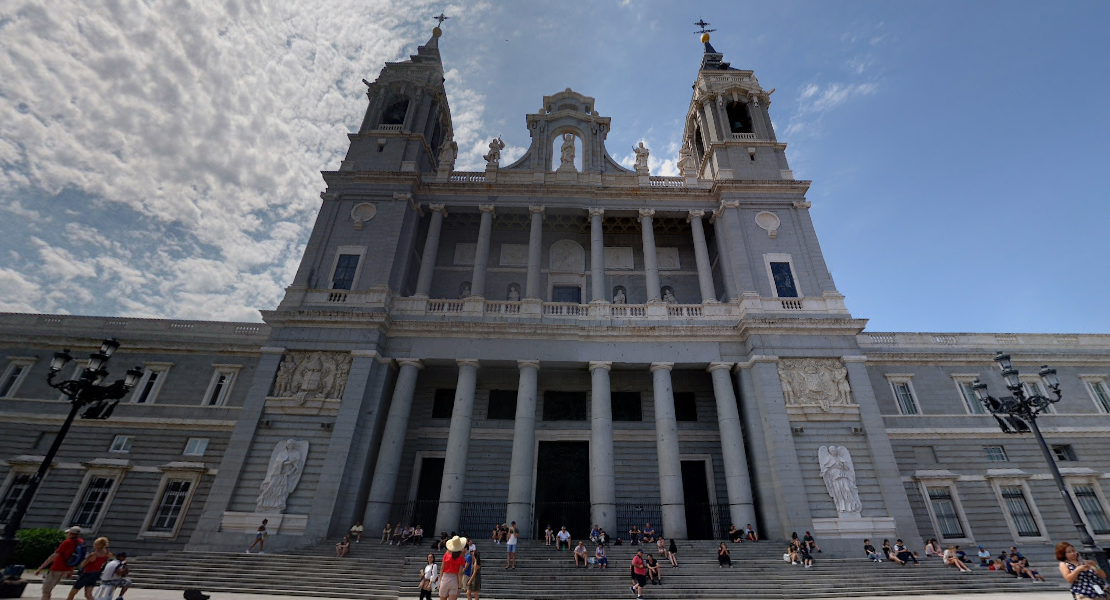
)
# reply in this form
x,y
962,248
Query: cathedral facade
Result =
x,y
557,341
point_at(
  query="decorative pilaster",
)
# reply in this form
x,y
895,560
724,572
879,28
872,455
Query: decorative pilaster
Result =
x,y
651,260
431,250
597,255
535,251
388,465
524,448
603,490
666,445
481,253
701,256
458,445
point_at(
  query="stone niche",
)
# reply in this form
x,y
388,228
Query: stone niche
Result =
x,y
817,389
309,383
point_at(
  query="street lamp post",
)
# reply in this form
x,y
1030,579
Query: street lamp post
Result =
x,y
84,392
1018,414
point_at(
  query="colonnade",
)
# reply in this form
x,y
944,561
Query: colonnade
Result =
x,y
535,247
602,470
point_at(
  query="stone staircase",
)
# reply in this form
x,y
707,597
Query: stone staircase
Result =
x,y
373,571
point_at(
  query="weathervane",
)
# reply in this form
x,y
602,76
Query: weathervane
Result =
x,y
702,24
441,18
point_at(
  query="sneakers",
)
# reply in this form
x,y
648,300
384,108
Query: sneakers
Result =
x,y
633,588
808,566
248,550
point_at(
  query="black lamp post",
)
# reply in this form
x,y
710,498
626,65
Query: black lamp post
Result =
x,y
1018,414
85,391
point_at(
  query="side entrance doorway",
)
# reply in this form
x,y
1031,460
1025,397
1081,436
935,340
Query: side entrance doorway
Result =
x,y
701,515
563,488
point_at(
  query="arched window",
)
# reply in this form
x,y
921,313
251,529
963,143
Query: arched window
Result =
x,y
395,113
739,119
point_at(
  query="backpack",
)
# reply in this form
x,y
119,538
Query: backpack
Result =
x,y
78,555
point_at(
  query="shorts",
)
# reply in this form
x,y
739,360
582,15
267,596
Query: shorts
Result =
x,y
641,580
603,561
52,579
510,548
464,581
87,580
120,582
448,585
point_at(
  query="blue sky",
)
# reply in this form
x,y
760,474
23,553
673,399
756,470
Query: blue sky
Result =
x,y
162,158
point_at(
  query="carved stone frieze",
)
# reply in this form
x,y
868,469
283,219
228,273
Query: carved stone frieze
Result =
x,y
305,376
815,381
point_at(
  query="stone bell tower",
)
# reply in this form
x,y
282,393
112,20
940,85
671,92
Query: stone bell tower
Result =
x,y
407,126
728,133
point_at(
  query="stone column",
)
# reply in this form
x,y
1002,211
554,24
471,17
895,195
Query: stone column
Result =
x,y
388,465
666,446
524,449
535,252
481,253
603,487
431,250
701,255
737,480
597,255
651,261
458,444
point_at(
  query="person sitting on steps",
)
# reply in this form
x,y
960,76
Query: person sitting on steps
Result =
x,y
563,538
343,547
580,555
652,566
634,536
723,557
870,551
952,560
735,535
750,535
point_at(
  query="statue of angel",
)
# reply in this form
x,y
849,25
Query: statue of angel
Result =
x,y
840,478
283,474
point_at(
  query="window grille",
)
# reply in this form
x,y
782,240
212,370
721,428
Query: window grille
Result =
x,y
169,509
15,492
1092,507
88,512
1019,509
905,398
995,453
945,511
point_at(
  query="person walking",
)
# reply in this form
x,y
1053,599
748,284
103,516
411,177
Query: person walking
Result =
x,y
1086,579
639,574
452,563
260,538
510,547
114,577
672,553
428,578
68,555
474,578
90,568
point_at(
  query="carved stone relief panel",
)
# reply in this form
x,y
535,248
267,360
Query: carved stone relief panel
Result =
x,y
567,257
464,254
668,259
618,257
312,375
514,255
815,381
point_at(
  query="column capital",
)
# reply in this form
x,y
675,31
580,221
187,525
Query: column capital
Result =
x,y
661,366
601,364
730,204
439,208
694,214
410,362
467,362
647,212
537,209
535,364
487,208
718,366
597,212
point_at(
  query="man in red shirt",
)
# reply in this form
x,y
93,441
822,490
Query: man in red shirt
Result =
x,y
59,569
452,561
639,574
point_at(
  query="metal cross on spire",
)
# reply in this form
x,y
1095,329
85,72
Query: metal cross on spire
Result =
x,y
441,18
702,25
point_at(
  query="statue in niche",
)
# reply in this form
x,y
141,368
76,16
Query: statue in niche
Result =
x,y
284,378
312,375
668,295
815,381
494,156
566,152
514,293
641,159
619,296
282,475
840,478
448,152
464,290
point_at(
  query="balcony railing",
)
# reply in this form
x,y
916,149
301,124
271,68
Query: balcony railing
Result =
x,y
742,136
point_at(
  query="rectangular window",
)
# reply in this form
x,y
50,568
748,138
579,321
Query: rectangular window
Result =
x,y
195,447
685,406
15,492
1033,388
572,294
784,280
11,378
970,401
945,511
1102,396
995,453
121,444
219,388
1064,453
169,508
344,276
565,406
1020,512
904,395
626,406
148,387
1092,507
443,403
88,512
502,405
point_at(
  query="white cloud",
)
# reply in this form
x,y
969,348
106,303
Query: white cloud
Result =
x,y
815,100
192,134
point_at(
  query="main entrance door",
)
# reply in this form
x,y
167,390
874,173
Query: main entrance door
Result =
x,y
563,488
695,490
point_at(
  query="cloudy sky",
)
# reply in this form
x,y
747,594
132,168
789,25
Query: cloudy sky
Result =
x,y
161,157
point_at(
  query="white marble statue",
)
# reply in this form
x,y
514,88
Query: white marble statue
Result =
x,y
668,296
494,156
840,478
464,290
619,297
447,153
815,381
283,474
641,159
686,164
566,152
514,293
